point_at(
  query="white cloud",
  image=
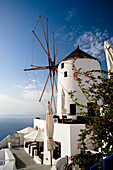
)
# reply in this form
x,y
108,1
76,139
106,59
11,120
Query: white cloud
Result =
x,y
27,100
111,40
93,43
29,86
33,81
18,86
60,31
70,15
33,90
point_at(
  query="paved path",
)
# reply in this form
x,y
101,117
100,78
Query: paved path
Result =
x,y
25,162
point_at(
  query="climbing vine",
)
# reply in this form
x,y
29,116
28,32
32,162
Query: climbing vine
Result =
x,y
98,132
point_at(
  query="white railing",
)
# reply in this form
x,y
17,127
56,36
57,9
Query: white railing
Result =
x,y
3,162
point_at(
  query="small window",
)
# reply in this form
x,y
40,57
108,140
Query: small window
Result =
x,y
65,74
90,109
57,151
62,65
72,109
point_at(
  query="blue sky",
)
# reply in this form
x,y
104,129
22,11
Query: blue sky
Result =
x,y
75,22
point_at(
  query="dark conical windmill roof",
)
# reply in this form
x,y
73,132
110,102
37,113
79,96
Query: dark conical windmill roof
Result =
x,y
78,54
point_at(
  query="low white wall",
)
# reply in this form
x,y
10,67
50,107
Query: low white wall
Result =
x,y
5,141
8,158
40,123
15,141
67,134
2,155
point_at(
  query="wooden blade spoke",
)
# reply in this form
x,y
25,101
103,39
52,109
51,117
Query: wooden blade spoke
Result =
x,y
29,69
56,53
53,48
48,54
51,66
52,97
46,67
43,48
44,87
40,42
43,28
55,84
52,88
46,38
48,44
56,71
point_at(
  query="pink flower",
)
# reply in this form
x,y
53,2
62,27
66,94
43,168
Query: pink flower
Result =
x,y
70,157
87,74
72,68
78,147
87,81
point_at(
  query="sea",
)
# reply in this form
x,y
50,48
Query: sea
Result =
x,y
9,124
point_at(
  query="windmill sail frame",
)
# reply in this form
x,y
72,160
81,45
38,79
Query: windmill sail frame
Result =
x,y
52,67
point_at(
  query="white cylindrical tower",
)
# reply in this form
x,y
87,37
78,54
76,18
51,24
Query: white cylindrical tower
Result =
x,y
67,83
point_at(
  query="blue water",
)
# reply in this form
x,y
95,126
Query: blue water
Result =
x,y
9,124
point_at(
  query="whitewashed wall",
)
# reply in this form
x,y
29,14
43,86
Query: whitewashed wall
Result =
x,y
66,134
68,83
8,158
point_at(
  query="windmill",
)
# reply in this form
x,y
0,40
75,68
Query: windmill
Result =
x,y
52,67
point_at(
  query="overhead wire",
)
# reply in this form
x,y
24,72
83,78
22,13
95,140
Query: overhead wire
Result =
x,y
37,90
36,24
27,75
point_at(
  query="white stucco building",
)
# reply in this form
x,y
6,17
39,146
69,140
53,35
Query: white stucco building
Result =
x,y
66,135
67,83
